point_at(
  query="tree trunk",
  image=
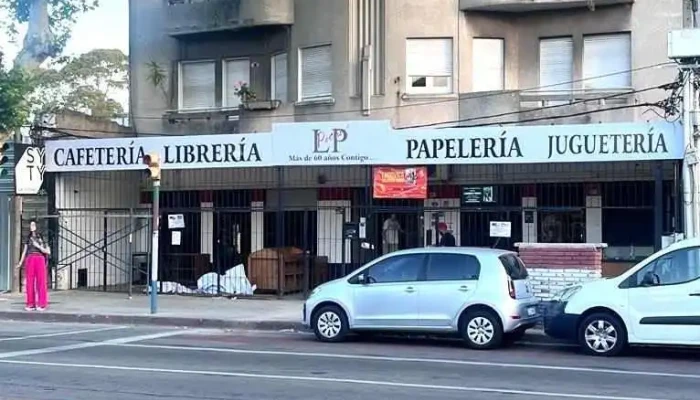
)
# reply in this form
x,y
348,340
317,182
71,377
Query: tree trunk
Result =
x,y
38,43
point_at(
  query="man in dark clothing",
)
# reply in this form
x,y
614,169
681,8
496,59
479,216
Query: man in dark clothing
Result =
x,y
447,239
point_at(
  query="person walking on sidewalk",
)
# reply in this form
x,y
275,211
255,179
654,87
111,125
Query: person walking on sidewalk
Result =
x,y
34,260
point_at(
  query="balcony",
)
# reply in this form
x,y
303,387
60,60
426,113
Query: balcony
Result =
x,y
545,108
533,5
187,17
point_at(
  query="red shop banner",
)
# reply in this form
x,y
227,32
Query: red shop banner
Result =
x,y
400,183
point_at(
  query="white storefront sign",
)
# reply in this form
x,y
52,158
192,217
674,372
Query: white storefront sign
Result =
x,y
499,229
376,143
177,152
29,171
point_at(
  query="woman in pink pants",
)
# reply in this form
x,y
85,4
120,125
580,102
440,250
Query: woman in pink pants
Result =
x,y
34,259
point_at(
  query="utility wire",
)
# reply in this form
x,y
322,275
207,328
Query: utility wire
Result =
x,y
428,103
537,109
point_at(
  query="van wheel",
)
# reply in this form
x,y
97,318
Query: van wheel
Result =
x,y
481,330
330,324
602,334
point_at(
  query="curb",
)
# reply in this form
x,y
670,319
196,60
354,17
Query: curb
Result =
x,y
534,336
150,320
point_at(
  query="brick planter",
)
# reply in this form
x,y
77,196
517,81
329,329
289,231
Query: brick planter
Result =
x,y
554,266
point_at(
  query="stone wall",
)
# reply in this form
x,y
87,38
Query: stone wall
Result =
x,y
554,266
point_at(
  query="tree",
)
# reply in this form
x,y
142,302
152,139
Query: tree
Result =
x,y
48,26
14,111
84,83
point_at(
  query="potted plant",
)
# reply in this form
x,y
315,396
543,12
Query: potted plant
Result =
x,y
244,92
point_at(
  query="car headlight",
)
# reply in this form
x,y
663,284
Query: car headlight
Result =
x,y
566,294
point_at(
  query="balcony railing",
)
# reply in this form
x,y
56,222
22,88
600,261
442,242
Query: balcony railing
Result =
x,y
200,16
534,5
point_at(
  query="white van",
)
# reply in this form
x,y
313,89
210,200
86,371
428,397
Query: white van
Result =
x,y
656,302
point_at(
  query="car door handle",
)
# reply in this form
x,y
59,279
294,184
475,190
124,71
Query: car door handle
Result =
x,y
464,288
410,289
696,294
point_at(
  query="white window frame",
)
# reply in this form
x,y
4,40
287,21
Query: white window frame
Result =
x,y
224,83
587,81
300,73
476,78
273,77
430,87
180,89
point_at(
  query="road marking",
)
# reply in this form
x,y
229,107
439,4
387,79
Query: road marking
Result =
x,y
331,380
87,345
63,333
415,360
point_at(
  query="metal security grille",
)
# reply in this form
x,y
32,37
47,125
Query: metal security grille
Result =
x,y
293,228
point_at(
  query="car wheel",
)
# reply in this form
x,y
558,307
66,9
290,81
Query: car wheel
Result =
x,y
482,330
330,324
602,334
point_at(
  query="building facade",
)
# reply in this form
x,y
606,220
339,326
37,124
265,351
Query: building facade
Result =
x,y
312,72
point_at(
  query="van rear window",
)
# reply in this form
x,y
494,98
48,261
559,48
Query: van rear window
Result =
x,y
514,266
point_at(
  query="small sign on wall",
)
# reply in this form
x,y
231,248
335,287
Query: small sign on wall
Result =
x,y
176,221
500,229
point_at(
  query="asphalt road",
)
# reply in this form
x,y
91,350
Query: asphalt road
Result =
x,y
93,362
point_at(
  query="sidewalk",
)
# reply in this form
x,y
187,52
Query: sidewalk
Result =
x,y
185,311
173,310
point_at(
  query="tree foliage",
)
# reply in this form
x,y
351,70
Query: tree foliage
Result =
x,y
85,83
14,109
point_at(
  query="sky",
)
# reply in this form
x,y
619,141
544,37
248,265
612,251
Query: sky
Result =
x,y
107,27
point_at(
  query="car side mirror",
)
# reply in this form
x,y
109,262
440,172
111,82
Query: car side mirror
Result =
x,y
650,279
362,279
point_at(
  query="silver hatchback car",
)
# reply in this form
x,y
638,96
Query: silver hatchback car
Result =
x,y
482,294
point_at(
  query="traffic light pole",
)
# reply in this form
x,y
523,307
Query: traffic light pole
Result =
x,y
154,246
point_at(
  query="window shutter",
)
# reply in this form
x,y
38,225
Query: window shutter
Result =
x,y
235,73
606,55
488,64
280,71
316,72
556,64
429,57
197,82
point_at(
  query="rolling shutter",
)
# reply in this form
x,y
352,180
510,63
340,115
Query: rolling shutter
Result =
x,y
197,85
556,64
488,65
316,72
429,57
235,73
279,77
607,55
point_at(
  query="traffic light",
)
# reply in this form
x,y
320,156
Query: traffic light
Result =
x,y
3,158
152,160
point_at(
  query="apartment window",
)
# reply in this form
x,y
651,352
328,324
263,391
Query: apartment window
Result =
x,y
316,73
235,73
279,77
607,60
556,64
488,64
429,66
197,87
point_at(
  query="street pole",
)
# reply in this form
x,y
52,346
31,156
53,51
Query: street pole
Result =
x,y
154,246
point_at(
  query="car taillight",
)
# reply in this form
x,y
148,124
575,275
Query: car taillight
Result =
x,y
511,288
